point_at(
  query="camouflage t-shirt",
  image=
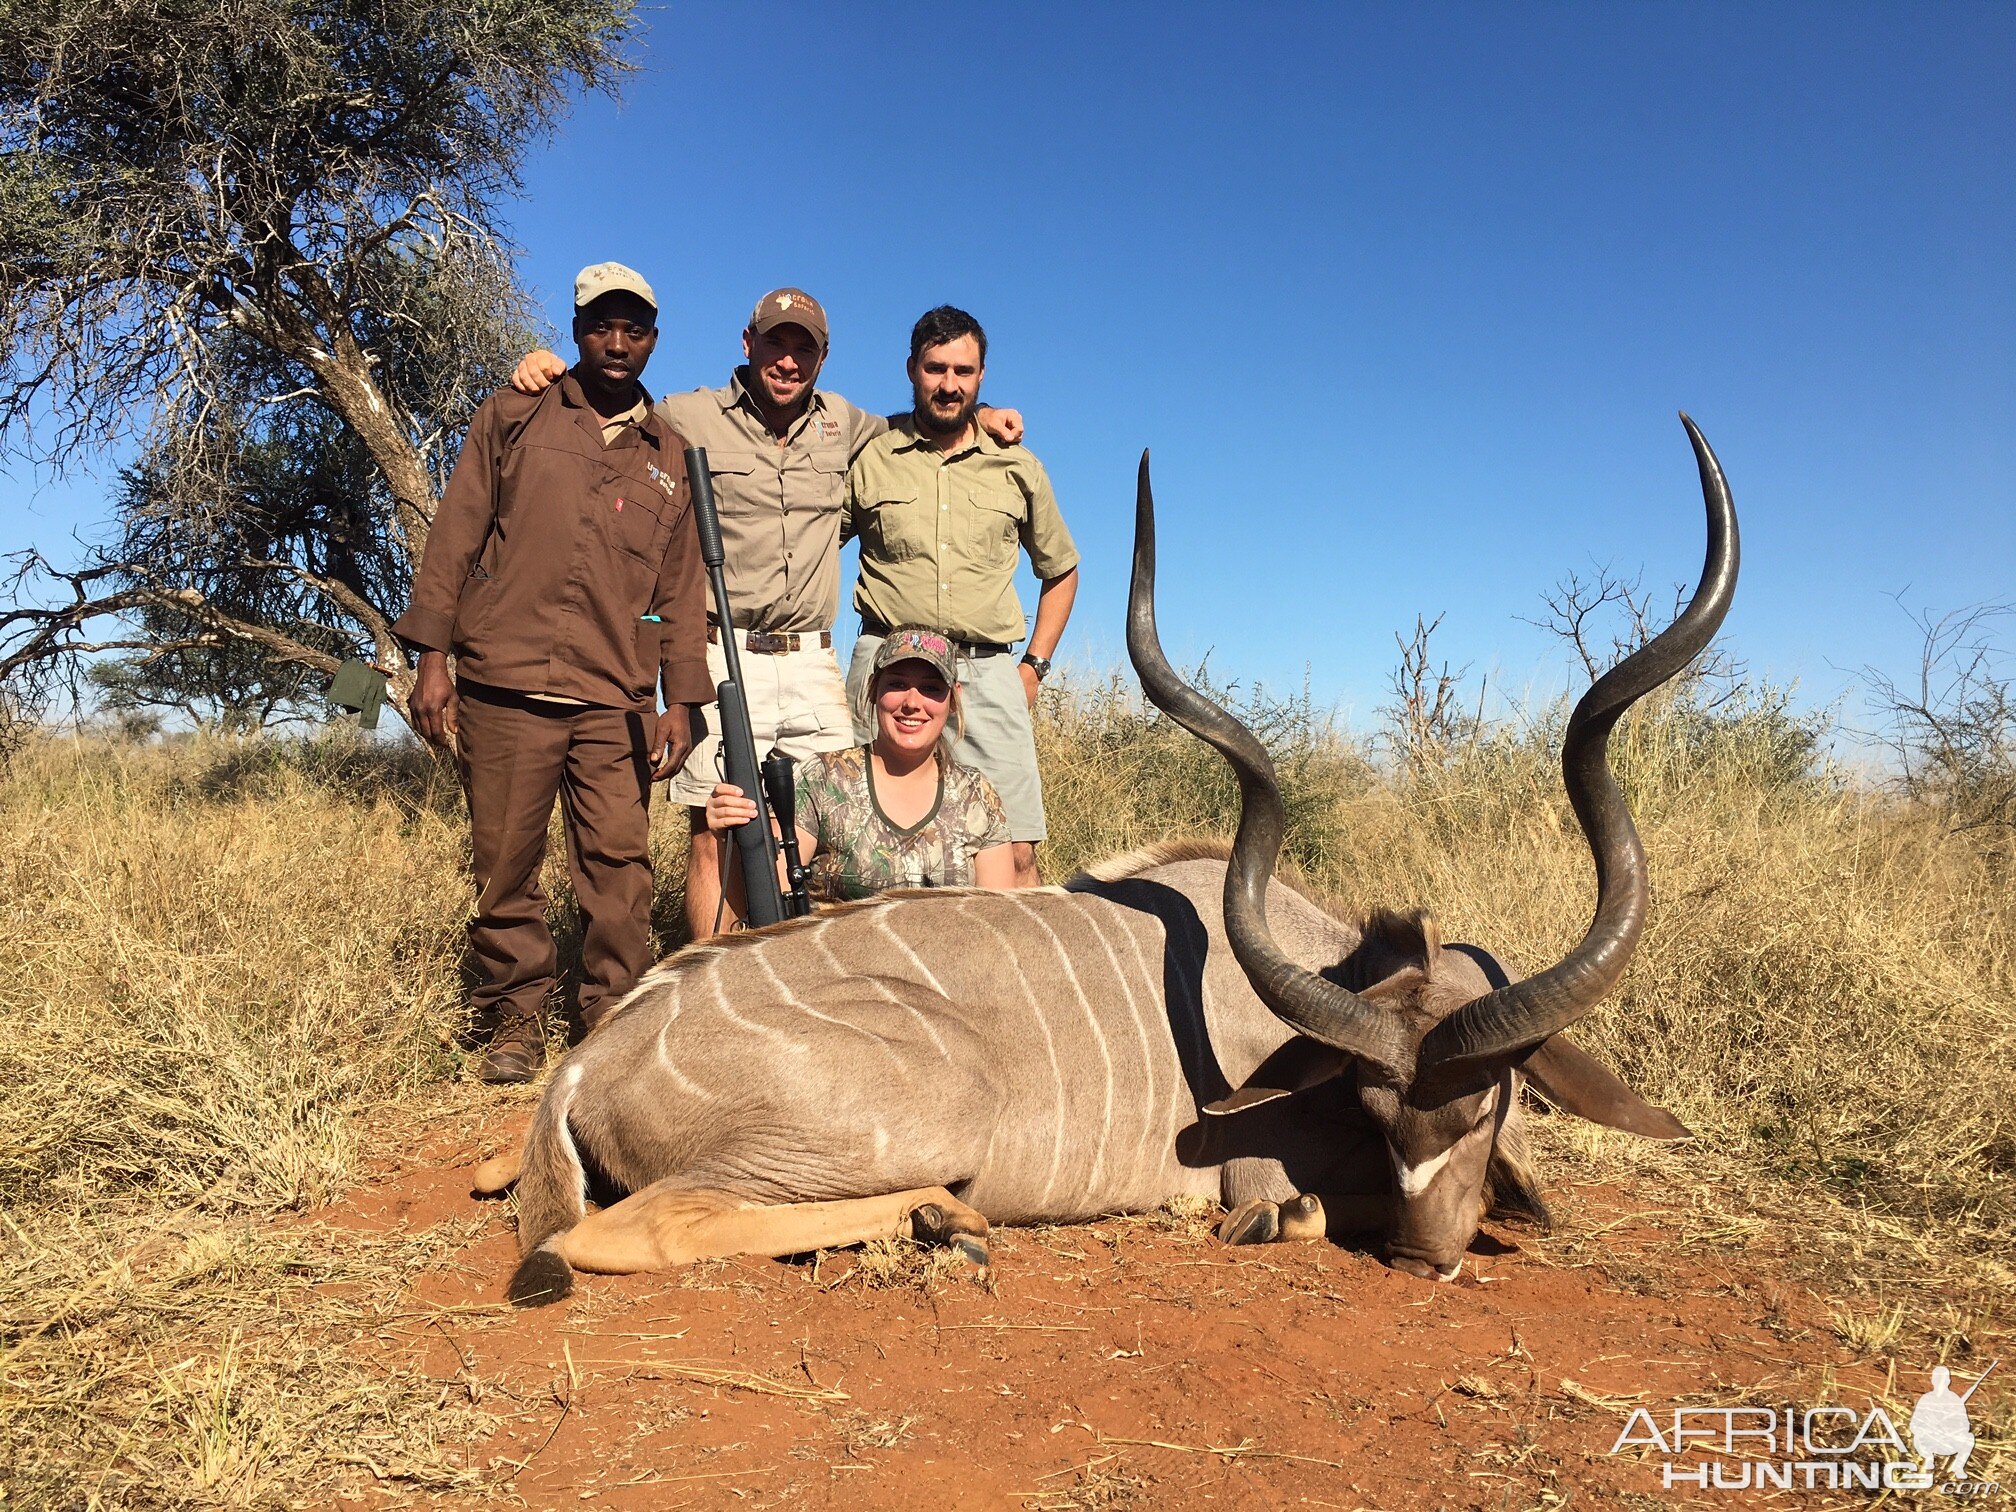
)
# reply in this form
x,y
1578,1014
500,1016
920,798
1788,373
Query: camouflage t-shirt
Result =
x,y
863,853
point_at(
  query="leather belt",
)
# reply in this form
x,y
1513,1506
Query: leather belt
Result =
x,y
971,648
776,642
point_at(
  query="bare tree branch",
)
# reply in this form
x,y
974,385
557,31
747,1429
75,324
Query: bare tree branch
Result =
x,y
1953,727
1423,719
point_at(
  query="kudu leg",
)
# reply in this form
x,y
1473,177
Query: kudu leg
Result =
x,y
668,1224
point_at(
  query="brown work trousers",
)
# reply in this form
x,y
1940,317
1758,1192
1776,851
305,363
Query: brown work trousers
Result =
x,y
515,754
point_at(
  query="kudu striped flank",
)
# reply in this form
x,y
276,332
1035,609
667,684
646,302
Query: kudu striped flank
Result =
x,y
1165,1024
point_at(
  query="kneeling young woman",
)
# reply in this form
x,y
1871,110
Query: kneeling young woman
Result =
x,y
899,811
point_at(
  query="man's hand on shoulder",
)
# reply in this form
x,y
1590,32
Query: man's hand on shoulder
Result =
x,y
1004,425
538,371
671,741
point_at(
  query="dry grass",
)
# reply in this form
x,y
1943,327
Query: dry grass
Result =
x,y
904,1265
862,1432
1193,1220
217,960
1099,1484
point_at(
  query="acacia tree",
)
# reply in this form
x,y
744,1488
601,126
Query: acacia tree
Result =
x,y
1953,726
258,241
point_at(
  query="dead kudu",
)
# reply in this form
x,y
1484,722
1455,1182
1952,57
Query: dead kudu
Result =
x,y
1166,1024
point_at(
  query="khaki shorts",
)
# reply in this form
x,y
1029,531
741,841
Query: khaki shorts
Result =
x,y
797,704
997,740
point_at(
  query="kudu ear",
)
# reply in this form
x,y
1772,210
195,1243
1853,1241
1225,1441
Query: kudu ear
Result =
x,y
1297,1066
1576,1082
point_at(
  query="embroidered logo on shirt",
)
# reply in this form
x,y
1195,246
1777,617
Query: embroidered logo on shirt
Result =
x,y
829,430
662,478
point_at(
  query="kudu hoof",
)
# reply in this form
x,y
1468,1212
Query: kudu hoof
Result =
x,y
498,1174
1302,1218
976,1254
1256,1221
931,1224
1259,1221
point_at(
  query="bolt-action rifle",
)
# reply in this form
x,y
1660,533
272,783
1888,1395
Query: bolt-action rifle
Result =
x,y
755,846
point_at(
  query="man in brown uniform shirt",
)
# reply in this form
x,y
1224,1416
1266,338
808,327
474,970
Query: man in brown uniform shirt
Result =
x,y
563,573
777,449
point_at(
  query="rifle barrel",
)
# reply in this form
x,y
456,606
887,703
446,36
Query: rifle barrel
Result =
x,y
754,844
1980,1378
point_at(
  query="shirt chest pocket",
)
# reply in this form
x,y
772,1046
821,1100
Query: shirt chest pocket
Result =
x,y
816,480
993,526
902,527
637,520
736,480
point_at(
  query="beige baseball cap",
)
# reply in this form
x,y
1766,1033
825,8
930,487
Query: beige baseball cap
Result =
x,y
592,282
789,307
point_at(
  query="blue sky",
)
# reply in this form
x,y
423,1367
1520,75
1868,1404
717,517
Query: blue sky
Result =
x,y
1403,298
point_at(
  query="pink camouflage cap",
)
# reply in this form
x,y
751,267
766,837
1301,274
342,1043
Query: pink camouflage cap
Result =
x,y
915,643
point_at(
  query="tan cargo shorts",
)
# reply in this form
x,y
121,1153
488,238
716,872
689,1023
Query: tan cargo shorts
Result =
x,y
797,704
998,739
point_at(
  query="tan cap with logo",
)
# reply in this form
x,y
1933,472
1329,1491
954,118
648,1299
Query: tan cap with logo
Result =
x,y
591,283
789,307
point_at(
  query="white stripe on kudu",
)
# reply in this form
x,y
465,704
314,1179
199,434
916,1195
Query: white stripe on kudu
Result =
x,y
1105,1126
1414,1179
1147,1063
798,1005
679,1078
882,916
1018,971
791,1042
880,983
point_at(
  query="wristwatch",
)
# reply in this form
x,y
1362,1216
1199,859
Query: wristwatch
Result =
x,y
1040,663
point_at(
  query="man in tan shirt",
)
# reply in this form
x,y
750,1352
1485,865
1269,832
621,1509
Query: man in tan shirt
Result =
x,y
942,510
563,573
778,448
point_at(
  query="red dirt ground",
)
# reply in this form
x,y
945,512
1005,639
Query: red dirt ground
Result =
x,y
1128,1363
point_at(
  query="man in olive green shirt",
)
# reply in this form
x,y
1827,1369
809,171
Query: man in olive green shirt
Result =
x,y
777,451
942,511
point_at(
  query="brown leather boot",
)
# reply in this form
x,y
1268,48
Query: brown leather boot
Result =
x,y
514,1054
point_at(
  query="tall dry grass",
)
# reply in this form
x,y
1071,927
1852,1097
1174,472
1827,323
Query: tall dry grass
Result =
x,y
213,957
220,961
